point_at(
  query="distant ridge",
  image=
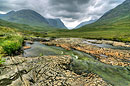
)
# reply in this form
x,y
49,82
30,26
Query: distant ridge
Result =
x,y
30,17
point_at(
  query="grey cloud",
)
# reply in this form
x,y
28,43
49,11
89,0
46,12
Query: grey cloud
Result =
x,y
72,9
4,5
68,10
71,2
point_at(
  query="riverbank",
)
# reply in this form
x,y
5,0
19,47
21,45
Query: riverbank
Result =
x,y
105,55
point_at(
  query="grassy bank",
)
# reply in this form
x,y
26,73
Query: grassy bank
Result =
x,y
10,41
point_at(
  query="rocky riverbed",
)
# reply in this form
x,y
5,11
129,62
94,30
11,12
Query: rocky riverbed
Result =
x,y
102,64
45,71
105,55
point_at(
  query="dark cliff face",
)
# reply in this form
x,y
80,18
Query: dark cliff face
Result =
x,y
56,23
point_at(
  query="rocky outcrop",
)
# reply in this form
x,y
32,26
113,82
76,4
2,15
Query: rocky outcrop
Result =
x,y
112,56
44,71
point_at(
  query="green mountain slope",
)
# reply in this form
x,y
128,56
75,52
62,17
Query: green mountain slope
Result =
x,y
118,17
32,18
24,26
28,30
113,25
117,14
29,17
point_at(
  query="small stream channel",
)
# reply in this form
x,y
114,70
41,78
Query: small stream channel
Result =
x,y
83,62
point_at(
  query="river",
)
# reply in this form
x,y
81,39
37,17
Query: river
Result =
x,y
83,62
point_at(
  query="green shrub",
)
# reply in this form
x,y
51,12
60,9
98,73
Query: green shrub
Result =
x,y
11,42
11,46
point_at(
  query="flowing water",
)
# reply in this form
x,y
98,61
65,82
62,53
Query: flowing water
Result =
x,y
83,62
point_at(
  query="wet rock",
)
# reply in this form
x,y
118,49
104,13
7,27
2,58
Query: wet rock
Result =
x,y
26,47
29,42
120,44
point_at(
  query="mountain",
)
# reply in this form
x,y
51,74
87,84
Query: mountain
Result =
x,y
85,23
113,25
29,17
120,15
9,13
56,23
25,27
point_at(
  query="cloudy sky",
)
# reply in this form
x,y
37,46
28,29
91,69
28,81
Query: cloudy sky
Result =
x,y
72,12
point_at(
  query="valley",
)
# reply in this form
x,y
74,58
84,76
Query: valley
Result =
x,y
95,61
37,50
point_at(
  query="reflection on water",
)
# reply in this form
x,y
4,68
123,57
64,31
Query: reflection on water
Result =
x,y
38,49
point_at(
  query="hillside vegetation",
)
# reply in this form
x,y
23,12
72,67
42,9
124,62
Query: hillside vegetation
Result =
x,y
26,29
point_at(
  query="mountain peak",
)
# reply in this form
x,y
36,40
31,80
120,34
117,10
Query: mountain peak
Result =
x,y
31,17
26,10
11,12
26,16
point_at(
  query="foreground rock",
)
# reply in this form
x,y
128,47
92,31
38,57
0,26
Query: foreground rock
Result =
x,y
105,55
44,71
